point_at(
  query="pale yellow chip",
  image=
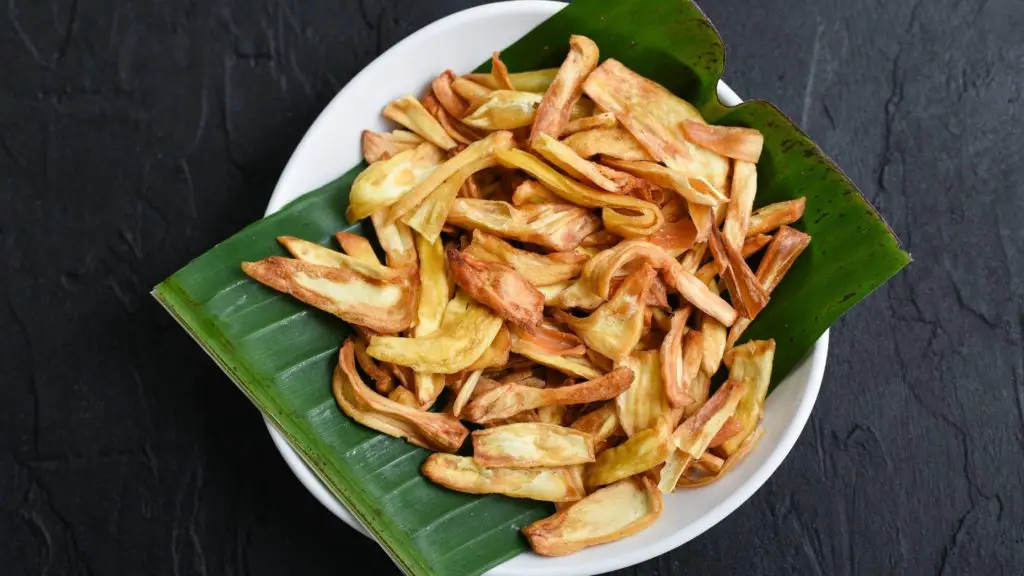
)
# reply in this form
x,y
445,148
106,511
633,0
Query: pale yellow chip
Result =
x,y
529,445
463,474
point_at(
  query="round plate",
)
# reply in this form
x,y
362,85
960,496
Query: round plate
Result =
x,y
332,146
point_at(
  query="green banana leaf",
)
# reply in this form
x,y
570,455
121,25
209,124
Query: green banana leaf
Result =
x,y
281,353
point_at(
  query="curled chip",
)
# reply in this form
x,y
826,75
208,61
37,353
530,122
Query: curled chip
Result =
x,y
539,269
602,120
409,112
551,340
745,291
510,399
453,103
387,181
316,254
613,142
750,365
553,226
674,237
467,330
433,275
575,366
382,306
609,514
770,217
452,126
499,287
622,215
674,369
397,241
383,381
741,202
692,190
573,164
643,451
531,81
644,405
566,88
615,327
499,72
730,141
427,429
601,423
463,474
533,192
529,445
511,109
383,145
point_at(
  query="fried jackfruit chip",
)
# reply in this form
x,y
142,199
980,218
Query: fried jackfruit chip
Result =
x,y
427,429
730,141
409,112
539,269
533,192
622,215
615,327
510,399
433,276
573,164
465,392
383,145
783,251
673,361
467,330
645,404
746,292
601,423
312,253
553,226
602,120
576,366
357,247
566,88
429,217
741,202
674,237
472,91
453,103
607,515
768,218
387,181
751,366
451,167
499,287
397,241
531,81
641,452
511,109
403,396
612,142
713,335
692,189
653,115
452,126
382,306
463,474
383,381
529,445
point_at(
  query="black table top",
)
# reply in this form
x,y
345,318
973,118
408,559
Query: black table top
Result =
x,y
136,135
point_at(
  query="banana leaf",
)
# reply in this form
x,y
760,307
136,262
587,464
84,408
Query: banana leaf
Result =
x,y
281,353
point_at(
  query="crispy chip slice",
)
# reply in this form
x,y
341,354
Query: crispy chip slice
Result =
x,y
623,215
745,291
641,452
467,330
768,218
602,423
357,247
609,514
512,109
510,399
429,217
402,395
713,335
674,237
409,112
499,287
453,103
434,289
533,192
644,404
430,430
472,91
452,167
383,306
397,241
321,256
673,364
531,81
653,115
383,145
729,463
731,428
539,269
383,381
553,226
729,141
550,339
751,366
463,474
465,392
529,445
576,366
693,190
615,327
783,251
566,88
497,354
384,183
612,142
572,164
452,126
499,72
741,202
602,120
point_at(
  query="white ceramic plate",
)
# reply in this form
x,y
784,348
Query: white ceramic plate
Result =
x,y
331,146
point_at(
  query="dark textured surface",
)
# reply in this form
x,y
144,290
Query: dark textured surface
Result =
x,y
135,135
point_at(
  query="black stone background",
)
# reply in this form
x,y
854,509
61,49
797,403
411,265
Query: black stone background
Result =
x,y
135,135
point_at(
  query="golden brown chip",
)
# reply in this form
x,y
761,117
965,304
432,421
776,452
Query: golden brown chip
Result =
x,y
623,215
402,395
533,192
750,365
692,189
453,103
433,276
427,429
674,237
644,404
465,392
472,156
770,217
466,331
745,291
357,247
397,241
497,354
472,91
753,244
382,379
510,399
452,126
741,202
641,452
387,181
321,256
615,327
550,339
529,445
383,145
463,474
602,120
729,463
553,226
601,423
572,164
729,141
409,112
499,287
609,514
530,81
383,306
566,88
613,142
539,269
713,335
673,367
576,366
